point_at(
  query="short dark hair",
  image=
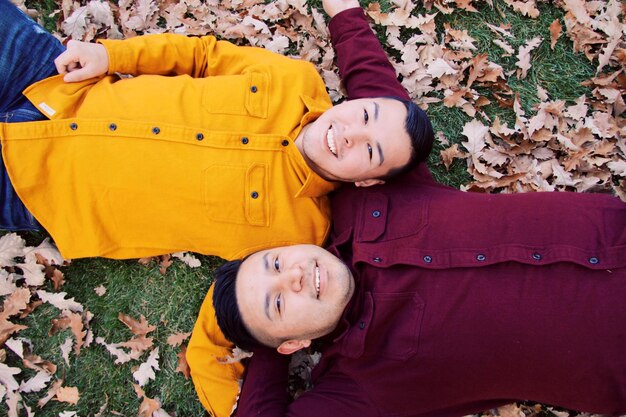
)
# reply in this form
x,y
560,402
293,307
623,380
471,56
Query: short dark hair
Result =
x,y
227,309
420,131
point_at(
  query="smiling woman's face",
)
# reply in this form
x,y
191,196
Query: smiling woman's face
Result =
x,y
292,292
357,141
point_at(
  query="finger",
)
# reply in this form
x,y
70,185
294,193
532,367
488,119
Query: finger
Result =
x,y
64,61
77,75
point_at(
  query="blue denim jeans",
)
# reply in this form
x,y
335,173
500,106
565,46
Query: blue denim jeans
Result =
x,y
26,56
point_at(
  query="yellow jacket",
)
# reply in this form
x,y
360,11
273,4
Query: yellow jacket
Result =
x,y
195,154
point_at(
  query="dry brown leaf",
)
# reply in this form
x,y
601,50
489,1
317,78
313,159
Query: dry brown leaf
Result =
x,y
578,10
148,406
11,247
74,321
15,303
177,339
100,290
36,383
526,7
57,279
121,356
46,253
139,344
555,32
448,155
183,366
7,329
145,372
32,361
6,377
52,391
475,133
523,56
58,300
139,327
68,395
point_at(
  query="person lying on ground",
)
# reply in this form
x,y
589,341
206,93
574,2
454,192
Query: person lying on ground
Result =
x,y
210,147
435,302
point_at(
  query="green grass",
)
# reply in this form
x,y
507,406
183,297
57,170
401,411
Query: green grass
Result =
x,y
172,301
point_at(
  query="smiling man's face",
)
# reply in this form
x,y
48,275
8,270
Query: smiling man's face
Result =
x,y
357,141
292,294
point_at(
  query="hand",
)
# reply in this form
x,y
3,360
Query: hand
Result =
x,y
332,7
82,60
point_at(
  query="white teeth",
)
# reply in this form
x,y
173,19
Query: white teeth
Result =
x,y
330,137
317,281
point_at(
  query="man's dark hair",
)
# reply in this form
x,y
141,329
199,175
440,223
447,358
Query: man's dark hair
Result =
x,y
419,129
226,307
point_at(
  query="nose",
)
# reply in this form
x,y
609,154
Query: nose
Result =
x,y
291,279
352,135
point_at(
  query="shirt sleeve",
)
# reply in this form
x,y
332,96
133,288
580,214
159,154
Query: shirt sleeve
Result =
x,y
175,54
363,65
264,392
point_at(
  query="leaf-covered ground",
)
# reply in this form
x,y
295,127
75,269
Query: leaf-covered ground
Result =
x,y
524,96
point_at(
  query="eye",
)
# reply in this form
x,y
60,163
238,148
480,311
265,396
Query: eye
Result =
x,y
276,265
366,116
279,303
369,150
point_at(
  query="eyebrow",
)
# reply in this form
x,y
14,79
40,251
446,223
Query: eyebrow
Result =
x,y
381,156
266,264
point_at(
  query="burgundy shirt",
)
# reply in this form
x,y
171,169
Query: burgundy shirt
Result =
x,y
463,301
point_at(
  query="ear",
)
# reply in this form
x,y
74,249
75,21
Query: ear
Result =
x,y
291,346
368,183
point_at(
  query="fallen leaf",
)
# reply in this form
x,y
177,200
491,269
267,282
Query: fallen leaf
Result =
x,y
523,56
183,366
36,383
146,369
139,327
58,300
65,350
121,356
190,260
555,32
475,132
100,290
177,339
11,247
68,395
6,377
15,303
52,391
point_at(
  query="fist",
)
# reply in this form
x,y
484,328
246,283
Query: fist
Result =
x,y
82,60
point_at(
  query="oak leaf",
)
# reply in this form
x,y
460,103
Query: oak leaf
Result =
x,y
475,132
68,395
523,56
139,327
183,366
36,383
11,246
177,339
58,300
100,290
145,372
555,32
6,377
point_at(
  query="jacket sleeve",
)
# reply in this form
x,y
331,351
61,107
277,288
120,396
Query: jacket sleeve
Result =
x,y
363,65
264,393
174,54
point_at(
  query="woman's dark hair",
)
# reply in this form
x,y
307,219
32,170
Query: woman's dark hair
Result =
x,y
226,307
419,129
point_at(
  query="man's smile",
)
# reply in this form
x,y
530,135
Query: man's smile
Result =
x,y
317,281
330,140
